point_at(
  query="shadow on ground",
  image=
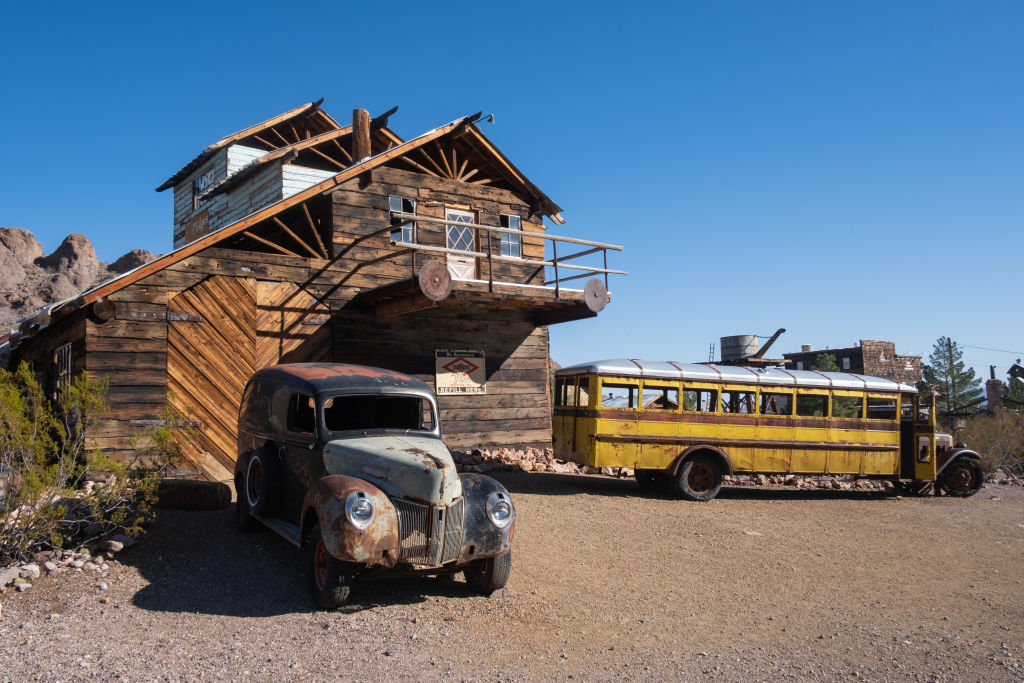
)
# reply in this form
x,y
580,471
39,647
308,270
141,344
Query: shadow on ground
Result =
x,y
197,562
549,484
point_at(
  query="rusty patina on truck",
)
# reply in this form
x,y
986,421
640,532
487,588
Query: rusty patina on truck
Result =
x,y
347,463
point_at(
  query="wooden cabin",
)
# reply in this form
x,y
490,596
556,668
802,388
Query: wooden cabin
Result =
x,y
301,239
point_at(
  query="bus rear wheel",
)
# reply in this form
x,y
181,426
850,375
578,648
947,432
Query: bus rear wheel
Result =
x,y
699,478
961,478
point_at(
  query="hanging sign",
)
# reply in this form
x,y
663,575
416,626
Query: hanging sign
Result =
x,y
459,371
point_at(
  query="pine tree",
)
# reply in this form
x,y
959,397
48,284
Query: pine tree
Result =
x,y
946,374
825,362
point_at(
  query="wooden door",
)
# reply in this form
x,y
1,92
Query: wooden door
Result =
x,y
460,236
291,326
210,355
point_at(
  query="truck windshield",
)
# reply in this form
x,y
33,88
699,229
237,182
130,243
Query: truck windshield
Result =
x,y
345,413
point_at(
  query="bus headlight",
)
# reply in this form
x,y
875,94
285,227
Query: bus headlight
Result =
x,y
359,510
500,510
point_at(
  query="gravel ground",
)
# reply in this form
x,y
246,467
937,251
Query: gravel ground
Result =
x,y
607,583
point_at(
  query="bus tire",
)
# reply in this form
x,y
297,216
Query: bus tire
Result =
x,y
962,478
699,478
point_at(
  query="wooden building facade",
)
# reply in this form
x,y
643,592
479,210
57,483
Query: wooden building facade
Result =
x,y
299,239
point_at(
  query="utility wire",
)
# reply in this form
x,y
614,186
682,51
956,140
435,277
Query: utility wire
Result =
x,y
985,348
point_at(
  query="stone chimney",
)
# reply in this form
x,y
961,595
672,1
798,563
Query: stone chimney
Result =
x,y
994,393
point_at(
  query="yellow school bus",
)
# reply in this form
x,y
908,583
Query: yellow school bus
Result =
x,y
687,425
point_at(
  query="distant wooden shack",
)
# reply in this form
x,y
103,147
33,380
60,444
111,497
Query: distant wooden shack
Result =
x,y
299,239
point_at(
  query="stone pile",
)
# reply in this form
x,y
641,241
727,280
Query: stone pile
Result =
x,y
1004,477
56,562
798,481
526,460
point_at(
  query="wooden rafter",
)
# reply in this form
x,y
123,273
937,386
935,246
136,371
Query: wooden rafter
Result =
x,y
283,138
271,146
270,244
316,233
341,148
433,163
295,237
298,138
328,157
462,168
444,160
426,170
469,175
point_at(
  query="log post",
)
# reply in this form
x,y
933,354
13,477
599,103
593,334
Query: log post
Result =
x,y
360,135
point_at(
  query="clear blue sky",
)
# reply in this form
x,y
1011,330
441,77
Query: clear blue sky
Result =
x,y
843,170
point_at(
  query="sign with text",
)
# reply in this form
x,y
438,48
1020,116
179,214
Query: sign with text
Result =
x,y
459,371
197,226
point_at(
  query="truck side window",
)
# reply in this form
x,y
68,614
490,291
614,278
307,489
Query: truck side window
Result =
x,y
300,414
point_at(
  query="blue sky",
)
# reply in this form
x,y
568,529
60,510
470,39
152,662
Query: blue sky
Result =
x,y
843,170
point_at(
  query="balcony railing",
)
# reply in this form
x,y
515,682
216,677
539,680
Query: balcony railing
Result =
x,y
557,263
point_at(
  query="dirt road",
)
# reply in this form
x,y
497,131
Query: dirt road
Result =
x,y
607,584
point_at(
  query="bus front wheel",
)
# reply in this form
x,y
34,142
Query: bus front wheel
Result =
x,y
961,478
699,478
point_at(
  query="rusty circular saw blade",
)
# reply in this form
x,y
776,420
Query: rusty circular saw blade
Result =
x,y
595,294
435,281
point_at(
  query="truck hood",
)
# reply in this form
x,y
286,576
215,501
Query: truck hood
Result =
x,y
403,466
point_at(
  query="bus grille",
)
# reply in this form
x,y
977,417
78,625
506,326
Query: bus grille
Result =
x,y
428,534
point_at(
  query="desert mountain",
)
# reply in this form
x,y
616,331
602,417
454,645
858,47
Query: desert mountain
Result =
x,y
29,279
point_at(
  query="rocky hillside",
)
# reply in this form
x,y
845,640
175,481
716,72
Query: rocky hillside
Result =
x,y
29,279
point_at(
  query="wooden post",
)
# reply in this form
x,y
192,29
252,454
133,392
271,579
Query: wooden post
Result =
x,y
360,134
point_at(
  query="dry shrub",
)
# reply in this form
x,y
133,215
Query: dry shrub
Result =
x,y
998,438
45,458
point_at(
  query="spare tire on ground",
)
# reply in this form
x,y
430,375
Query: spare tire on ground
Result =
x,y
193,494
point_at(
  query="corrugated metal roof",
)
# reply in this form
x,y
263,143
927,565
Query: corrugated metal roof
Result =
x,y
709,372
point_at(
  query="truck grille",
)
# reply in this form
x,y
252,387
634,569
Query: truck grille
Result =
x,y
428,534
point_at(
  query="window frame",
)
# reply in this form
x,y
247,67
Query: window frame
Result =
x,y
713,400
776,392
821,394
843,395
410,227
506,240
633,399
664,388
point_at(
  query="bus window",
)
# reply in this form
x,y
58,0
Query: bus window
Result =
x,y
559,391
660,398
619,395
811,405
924,411
848,406
570,392
738,402
881,408
776,404
699,400
907,407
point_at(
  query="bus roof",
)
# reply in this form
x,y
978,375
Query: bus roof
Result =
x,y
709,372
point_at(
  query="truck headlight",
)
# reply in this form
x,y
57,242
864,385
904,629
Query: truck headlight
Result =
x,y
359,510
499,509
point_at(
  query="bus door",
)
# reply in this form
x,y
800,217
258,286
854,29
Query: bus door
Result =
x,y
573,403
924,437
908,409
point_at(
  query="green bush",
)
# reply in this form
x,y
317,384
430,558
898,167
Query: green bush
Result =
x,y
48,503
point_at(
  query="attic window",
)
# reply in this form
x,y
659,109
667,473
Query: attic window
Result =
x,y
406,232
883,357
511,243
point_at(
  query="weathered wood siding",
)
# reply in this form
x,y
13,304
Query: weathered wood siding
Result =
x,y
514,411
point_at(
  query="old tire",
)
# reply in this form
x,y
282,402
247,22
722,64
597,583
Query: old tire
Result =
x,y
488,575
262,479
244,521
330,579
962,478
699,478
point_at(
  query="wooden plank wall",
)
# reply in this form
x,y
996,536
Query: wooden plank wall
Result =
x,y
515,411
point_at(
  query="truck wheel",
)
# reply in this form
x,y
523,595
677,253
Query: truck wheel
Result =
x,y
488,575
699,478
262,478
244,520
330,580
962,478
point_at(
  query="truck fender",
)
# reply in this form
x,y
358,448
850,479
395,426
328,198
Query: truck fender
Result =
x,y
376,545
482,538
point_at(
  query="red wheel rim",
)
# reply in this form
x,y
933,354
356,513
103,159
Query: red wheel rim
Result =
x,y
700,478
320,565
